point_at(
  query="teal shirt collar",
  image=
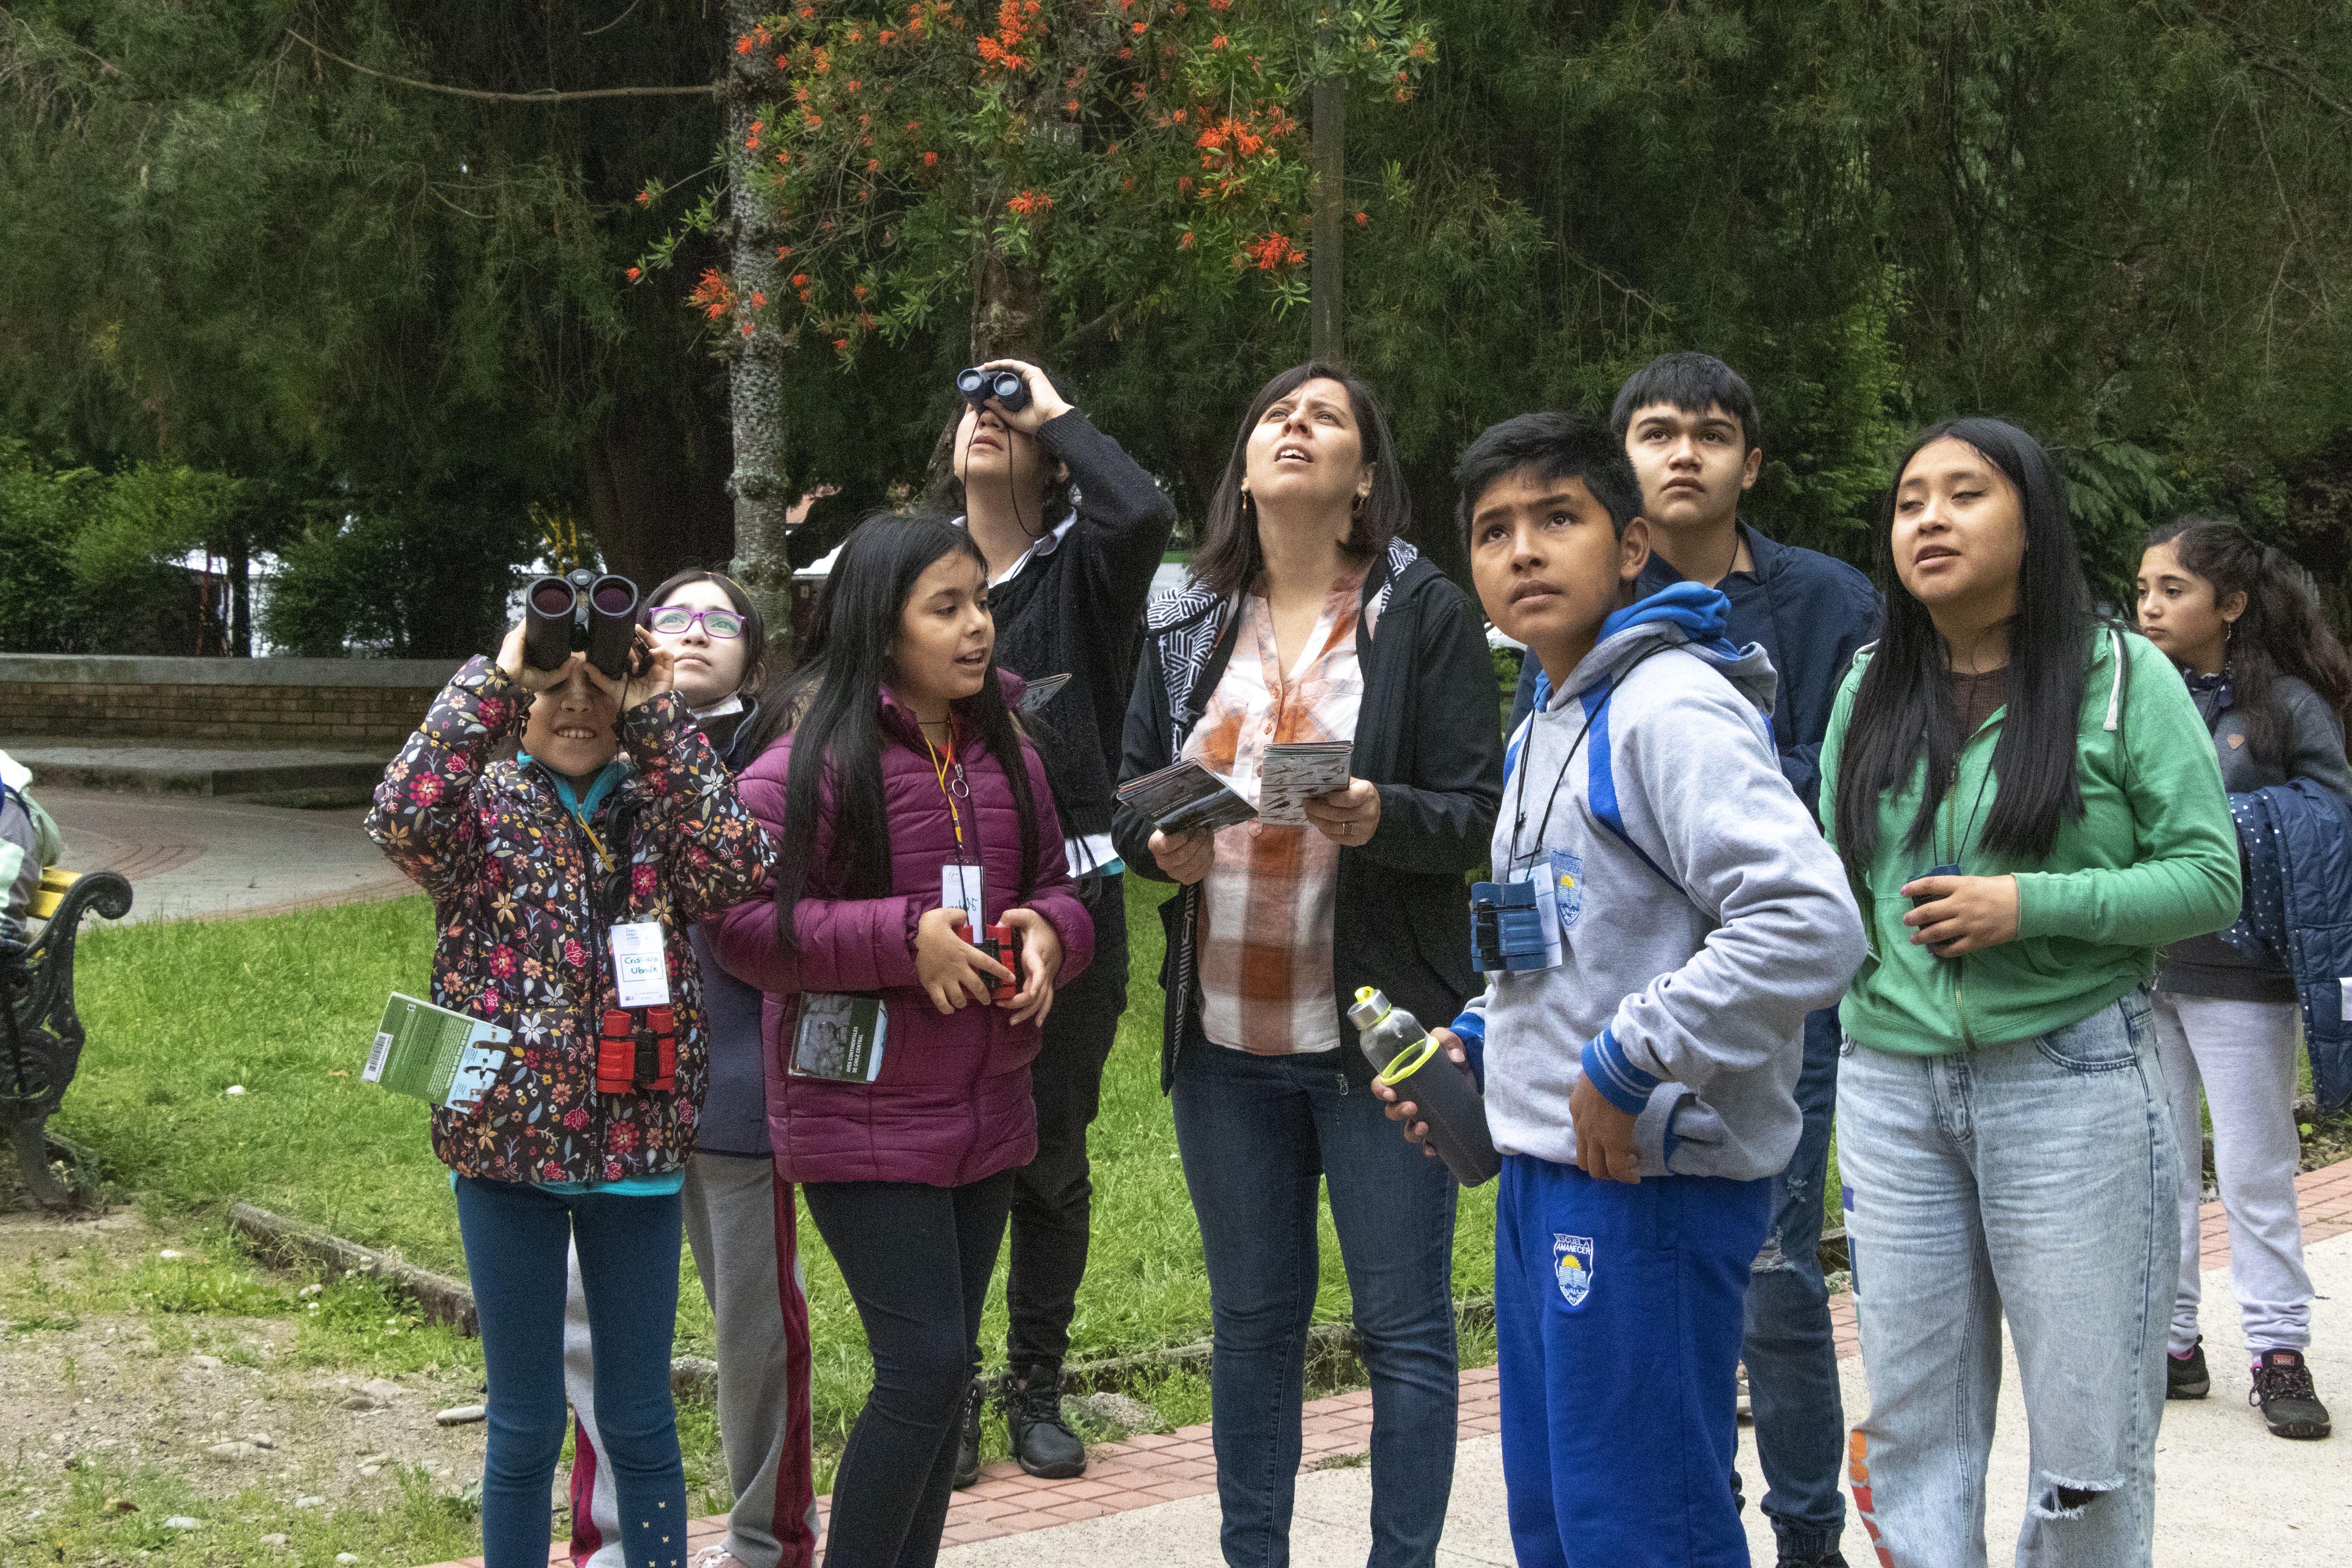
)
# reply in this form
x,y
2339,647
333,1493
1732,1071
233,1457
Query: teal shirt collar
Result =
x,y
607,779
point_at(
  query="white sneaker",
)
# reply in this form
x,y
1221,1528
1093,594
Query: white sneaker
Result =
x,y
716,1557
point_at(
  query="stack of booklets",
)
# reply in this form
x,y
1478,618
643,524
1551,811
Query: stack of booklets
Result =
x,y
1186,797
1296,772
445,1059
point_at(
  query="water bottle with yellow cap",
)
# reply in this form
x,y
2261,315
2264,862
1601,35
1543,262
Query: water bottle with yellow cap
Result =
x,y
1405,1058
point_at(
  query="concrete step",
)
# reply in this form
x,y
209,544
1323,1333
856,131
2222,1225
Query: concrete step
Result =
x,y
294,777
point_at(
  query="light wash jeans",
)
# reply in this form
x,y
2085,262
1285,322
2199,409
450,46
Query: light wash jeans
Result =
x,y
2037,1180
2243,1054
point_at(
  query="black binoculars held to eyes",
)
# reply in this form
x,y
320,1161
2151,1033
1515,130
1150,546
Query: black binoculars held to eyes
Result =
x,y
1010,390
581,611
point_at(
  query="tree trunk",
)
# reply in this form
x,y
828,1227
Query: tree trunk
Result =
x,y
1325,293
1008,305
240,579
756,368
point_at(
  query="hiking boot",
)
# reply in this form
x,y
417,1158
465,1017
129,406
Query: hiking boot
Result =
x,y
975,1400
1042,1440
2185,1376
2290,1404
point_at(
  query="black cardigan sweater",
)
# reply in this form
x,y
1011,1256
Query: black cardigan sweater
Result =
x,y
1078,609
1429,736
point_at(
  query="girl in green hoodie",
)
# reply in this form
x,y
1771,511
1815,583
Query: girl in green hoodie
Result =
x,y
2029,809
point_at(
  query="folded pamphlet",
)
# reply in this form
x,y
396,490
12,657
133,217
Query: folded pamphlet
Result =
x,y
1186,797
1041,691
839,1037
444,1058
1296,771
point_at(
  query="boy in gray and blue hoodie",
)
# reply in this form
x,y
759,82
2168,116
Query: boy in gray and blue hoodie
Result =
x,y
1642,1088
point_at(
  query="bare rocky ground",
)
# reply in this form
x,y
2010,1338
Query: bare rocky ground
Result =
x,y
164,1400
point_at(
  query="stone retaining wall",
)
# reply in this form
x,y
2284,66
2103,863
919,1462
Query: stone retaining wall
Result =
x,y
326,704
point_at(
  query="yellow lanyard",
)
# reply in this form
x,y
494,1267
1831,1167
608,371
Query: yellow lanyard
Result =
x,y
940,770
603,861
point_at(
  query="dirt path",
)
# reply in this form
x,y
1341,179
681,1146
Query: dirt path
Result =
x,y
152,1364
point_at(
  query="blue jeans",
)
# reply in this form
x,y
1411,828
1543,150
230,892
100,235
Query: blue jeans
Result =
x,y
1617,1316
516,1238
1256,1133
2032,1180
1790,1347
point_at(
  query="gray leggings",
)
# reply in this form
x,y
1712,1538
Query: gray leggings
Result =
x,y
2243,1054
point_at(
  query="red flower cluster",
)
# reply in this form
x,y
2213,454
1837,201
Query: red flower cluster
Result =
x,y
714,296
1272,250
1014,20
1029,203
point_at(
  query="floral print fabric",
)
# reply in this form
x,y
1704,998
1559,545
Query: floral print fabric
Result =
x,y
522,909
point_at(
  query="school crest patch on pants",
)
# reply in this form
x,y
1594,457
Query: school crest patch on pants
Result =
x,y
1572,1265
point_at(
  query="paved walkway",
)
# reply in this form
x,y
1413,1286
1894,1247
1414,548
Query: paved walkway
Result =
x,y
2228,1491
188,856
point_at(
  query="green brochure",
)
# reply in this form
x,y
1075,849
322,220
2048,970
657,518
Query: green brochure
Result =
x,y
840,1037
444,1058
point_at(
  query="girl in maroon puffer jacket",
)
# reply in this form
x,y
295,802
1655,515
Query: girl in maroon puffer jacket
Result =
x,y
906,782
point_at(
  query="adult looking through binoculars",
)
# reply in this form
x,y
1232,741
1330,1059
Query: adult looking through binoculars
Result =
x,y
1073,530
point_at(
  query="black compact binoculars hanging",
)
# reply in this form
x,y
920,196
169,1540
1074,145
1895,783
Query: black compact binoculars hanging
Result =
x,y
580,612
1010,390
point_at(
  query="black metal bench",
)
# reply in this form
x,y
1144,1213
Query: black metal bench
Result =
x,y
41,1037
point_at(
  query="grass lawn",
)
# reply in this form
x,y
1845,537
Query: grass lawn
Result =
x,y
284,1006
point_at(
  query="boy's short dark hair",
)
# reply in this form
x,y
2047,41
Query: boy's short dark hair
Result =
x,y
1549,446
1693,383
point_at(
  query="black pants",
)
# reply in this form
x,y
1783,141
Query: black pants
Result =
x,y
894,1241
1052,1196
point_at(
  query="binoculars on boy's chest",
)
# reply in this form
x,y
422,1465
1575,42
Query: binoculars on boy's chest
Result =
x,y
580,612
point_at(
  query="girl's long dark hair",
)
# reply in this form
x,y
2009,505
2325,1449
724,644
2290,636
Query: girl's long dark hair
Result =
x,y
1229,558
832,703
1905,703
2281,632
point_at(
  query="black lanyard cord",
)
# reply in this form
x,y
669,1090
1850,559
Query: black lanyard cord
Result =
x,y
1519,813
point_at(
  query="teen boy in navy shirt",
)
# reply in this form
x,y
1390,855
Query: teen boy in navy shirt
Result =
x,y
1640,1087
1688,423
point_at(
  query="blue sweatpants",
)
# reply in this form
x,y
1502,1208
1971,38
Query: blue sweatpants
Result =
x,y
1618,1313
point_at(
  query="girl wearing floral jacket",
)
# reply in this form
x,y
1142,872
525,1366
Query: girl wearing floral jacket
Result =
x,y
616,811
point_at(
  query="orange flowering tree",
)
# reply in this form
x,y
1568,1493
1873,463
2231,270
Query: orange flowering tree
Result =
x,y
1032,159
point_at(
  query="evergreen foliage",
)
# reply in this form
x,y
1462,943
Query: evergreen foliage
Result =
x,y
2125,224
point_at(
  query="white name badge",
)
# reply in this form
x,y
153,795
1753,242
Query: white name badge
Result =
x,y
641,964
960,888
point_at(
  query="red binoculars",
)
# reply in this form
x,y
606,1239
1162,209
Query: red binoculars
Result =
x,y
1002,943
637,1051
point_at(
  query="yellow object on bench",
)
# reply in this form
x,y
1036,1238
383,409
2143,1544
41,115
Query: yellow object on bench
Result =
x,y
54,880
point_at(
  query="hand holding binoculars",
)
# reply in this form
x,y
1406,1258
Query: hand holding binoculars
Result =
x,y
582,613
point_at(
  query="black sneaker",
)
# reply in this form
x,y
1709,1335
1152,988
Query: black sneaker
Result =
x,y
1042,1440
1833,1558
2185,1376
966,1470
2290,1404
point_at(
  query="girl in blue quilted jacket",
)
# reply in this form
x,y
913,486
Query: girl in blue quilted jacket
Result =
x,y
2272,684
